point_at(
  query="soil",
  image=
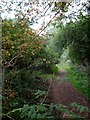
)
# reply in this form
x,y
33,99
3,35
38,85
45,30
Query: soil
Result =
x,y
62,92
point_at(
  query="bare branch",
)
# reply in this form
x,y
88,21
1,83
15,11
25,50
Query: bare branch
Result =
x,y
13,61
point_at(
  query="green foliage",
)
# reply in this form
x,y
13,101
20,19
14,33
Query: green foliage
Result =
x,y
55,69
31,112
25,58
74,35
46,111
22,47
57,40
79,79
79,107
23,87
79,47
40,93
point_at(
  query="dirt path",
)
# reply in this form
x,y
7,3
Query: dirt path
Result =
x,y
62,92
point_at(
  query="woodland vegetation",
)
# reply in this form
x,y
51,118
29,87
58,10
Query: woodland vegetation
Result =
x,y
30,59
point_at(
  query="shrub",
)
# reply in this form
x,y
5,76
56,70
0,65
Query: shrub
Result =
x,y
55,69
79,79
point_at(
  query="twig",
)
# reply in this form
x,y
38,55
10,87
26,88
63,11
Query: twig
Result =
x,y
8,116
65,115
11,63
47,92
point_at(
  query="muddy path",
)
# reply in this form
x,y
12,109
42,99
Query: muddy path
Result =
x,y
62,92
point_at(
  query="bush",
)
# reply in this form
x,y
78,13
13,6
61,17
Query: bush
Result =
x,y
55,69
79,79
19,43
24,57
22,47
45,111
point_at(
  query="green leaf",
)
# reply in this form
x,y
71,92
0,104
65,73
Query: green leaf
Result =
x,y
41,108
32,108
29,114
82,109
33,115
73,104
39,116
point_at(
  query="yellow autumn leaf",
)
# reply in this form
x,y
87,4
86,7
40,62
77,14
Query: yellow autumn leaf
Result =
x,y
12,47
44,59
6,37
32,53
59,4
22,24
9,54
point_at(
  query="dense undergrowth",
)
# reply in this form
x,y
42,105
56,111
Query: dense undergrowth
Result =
x,y
79,79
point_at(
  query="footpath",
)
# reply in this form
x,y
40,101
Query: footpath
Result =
x,y
62,92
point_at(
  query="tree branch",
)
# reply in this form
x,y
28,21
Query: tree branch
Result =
x,y
13,61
